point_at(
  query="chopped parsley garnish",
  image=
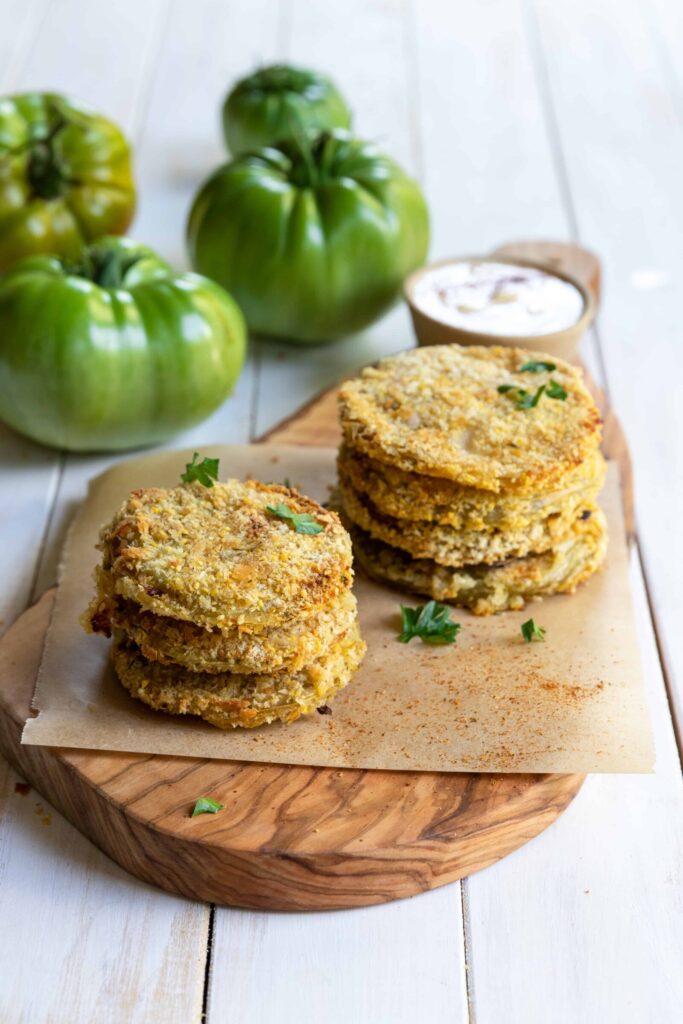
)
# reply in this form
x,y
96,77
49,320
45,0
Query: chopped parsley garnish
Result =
x,y
555,390
301,521
204,472
528,400
537,366
530,631
205,805
431,622
523,399
287,483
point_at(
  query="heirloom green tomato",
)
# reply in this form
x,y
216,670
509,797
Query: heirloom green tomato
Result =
x,y
313,238
114,352
65,177
276,103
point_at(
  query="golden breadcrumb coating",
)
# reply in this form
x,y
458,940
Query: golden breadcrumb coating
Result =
x,y
169,641
486,589
216,557
412,496
456,548
227,700
438,411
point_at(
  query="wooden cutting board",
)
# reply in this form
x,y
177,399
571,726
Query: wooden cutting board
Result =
x,y
290,837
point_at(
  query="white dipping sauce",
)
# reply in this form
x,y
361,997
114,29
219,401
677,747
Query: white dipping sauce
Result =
x,y
498,298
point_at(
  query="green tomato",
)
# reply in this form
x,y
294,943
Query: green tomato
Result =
x,y
313,239
278,103
65,177
116,352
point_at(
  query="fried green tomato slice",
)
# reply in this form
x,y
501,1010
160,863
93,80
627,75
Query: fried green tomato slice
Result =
x,y
486,589
456,548
216,556
439,411
416,497
228,700
176,641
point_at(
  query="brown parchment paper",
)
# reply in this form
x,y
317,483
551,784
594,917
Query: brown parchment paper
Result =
x,y
574,703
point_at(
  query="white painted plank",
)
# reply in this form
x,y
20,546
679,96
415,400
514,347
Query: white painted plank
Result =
x,y
490,172
624,153
395,964
665,21
365,46
29,478
498,145
82,940
98,52
209,44
586,923
583,924
108,948
489,168
20,20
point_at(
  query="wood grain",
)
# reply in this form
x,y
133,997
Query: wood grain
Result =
x,y
289,837
109,948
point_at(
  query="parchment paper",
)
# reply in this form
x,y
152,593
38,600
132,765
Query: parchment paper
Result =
x,y
574,703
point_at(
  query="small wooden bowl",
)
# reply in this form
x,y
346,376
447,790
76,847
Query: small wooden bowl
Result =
x,y
563,344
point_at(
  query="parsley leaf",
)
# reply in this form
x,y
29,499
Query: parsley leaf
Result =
x,y
301,521
555,390
431,622
205,805
537,366
530,631
527,401
205,472
523,399
287,483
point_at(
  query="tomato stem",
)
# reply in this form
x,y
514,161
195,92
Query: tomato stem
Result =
x,y
105,268
45,174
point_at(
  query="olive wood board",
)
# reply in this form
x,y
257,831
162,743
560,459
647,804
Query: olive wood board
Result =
x,y
289,837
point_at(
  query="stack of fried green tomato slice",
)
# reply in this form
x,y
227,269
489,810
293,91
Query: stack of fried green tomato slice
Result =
x,y
457,490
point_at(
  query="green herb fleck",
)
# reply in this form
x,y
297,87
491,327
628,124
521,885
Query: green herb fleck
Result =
x,y
205,805
537,366
555,390
287,483
527,401
523,399
205,472
301,521
431,622
530,631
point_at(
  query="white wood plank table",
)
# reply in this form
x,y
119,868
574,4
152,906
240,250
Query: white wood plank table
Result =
x,y
522,118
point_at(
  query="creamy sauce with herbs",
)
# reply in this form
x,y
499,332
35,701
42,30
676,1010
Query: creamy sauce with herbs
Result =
x,y
498,298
